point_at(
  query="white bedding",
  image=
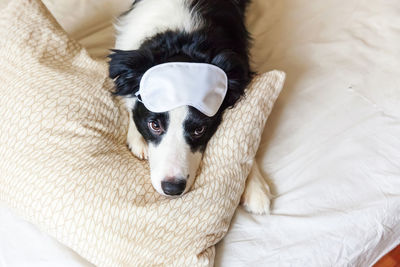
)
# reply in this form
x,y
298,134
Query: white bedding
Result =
x,y
331,148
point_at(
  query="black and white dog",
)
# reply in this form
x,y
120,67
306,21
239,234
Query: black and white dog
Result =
x,y
154,32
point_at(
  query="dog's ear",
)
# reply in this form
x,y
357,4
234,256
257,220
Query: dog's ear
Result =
x,y
238,72
126,68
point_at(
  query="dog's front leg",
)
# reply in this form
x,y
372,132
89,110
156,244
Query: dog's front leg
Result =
x,y
135,140
256,196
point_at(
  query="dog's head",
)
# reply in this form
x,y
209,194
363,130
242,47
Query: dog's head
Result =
x,y
177,138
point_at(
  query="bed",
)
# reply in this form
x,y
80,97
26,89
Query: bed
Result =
x,y
330,150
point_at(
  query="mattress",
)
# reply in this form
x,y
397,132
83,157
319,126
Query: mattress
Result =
x,y
330,150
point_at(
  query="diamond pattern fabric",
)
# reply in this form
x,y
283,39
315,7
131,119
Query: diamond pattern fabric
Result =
x,y
65,166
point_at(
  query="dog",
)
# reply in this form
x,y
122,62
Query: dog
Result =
x,y
156,32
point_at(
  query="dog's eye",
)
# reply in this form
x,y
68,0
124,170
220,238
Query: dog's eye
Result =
x,y
155,127
199,131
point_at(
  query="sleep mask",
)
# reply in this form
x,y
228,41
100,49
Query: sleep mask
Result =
x,y
171,85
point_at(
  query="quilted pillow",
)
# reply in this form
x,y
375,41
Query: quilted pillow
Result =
x,y
65,166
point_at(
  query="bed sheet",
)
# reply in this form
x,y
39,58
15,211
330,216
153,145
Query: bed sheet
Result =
x,y
331,148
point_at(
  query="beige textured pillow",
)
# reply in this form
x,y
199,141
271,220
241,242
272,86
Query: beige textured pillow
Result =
x,y
65,166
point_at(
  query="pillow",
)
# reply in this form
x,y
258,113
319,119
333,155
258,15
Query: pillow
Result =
x,y
65,166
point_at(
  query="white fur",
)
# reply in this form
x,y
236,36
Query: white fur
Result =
x,y
150,17
135,140
173,156
256,196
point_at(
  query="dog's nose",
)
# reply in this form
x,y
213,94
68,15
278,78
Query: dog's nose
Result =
x,y
173,186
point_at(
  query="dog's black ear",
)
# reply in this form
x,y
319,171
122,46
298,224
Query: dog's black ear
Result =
x,y
126,68
239,75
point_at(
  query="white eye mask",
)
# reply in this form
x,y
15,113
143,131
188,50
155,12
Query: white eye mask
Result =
x,y
171,85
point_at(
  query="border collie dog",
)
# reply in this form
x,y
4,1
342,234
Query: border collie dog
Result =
x,y
156,32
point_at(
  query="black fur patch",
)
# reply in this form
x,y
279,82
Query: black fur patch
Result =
x,y
141,117
196,119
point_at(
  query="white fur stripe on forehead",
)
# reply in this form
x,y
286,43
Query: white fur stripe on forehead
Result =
x,y
150,17
175,84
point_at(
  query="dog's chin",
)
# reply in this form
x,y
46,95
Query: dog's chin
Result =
x,y
172,196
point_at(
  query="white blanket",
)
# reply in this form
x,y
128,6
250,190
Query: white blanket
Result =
x,y
331,148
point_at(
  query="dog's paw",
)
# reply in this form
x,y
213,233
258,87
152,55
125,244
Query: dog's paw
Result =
x,y
256,201
138,147
256,197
